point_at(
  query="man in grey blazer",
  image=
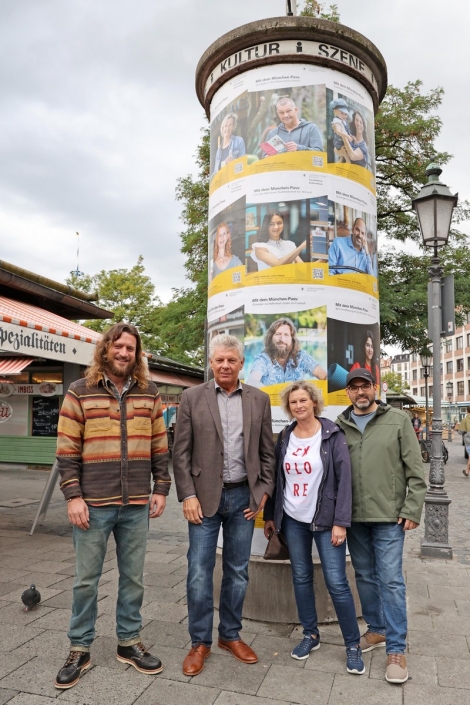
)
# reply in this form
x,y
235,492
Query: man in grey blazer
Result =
x,y
223,461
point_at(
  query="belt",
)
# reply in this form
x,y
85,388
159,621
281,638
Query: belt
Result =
x,y
233,485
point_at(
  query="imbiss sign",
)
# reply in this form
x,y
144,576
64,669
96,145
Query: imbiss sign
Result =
x,y
19,339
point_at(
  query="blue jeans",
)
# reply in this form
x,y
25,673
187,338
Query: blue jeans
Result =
x,y
129,525
238,534
376,552
299,538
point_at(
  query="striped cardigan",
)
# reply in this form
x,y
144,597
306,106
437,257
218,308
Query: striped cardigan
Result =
x,y
106,452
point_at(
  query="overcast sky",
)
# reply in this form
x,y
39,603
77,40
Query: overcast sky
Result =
x,y
99,117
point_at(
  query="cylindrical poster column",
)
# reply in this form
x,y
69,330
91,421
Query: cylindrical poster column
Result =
x,y
292,208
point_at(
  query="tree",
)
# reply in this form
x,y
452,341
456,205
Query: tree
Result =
x,y
395,382
312,8
130,295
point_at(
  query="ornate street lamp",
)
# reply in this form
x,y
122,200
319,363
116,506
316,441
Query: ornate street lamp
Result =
x,y
426,362
434,206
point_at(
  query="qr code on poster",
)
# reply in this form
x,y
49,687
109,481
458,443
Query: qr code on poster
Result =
x,y
318,273
236,278
317,161
237,168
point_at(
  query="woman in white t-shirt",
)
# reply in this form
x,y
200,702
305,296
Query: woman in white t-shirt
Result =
x,y
312,501
271,250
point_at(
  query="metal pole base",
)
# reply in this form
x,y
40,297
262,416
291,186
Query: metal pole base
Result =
x,y
436,526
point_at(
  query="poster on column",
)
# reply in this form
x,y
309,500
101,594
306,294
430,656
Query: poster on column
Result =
x,y
293,229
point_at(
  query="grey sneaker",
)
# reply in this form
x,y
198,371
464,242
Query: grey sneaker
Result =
x,y
371,640
397,671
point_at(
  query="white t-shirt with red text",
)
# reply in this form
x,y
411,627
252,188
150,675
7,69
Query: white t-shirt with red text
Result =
x,y
303,470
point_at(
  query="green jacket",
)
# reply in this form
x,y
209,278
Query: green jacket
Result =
x,y
387,470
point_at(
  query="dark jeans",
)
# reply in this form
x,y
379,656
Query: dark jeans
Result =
x,y
299,537
237,533
376,552
129,524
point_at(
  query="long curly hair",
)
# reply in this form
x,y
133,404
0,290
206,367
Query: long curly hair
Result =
x,y
268,339
94,373
228,244
352,125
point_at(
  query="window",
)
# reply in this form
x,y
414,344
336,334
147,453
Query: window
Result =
x,y
430,391
469,386
460,365
468,340
448,344
406,376
459,343
421,372
449,367
46,376
415,373
415,389
422,391
460,389
399,367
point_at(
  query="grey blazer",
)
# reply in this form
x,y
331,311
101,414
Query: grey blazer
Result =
x,y
198,451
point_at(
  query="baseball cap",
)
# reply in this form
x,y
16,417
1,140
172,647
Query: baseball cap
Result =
x,y
359,373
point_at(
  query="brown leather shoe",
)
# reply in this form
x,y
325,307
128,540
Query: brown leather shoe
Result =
x,y
194,661
240,650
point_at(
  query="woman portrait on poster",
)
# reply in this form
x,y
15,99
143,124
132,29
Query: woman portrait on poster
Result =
x,y
223,257
312,501
230,146
368,362
357,151
272,250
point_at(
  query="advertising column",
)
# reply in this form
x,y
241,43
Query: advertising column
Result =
x,y
292,208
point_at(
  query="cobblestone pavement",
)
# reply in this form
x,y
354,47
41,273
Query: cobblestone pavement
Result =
x,y
34,645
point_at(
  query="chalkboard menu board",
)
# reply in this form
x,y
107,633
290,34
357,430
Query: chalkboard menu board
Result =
x,y
45,416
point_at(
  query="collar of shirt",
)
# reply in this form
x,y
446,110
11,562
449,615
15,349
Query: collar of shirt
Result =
x,y
219,388
109,384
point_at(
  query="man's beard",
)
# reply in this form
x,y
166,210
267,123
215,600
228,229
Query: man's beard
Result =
x,y
363,403
121,371
278,353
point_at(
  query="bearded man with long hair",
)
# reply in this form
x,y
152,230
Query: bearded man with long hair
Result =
x,y
111,441
282,360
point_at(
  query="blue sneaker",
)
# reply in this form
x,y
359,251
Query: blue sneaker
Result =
x,y
354,663
303,649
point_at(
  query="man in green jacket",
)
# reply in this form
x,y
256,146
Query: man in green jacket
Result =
x,y
388,491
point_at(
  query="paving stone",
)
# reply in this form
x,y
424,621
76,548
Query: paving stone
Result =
x,y
268,628
422,669
168,692
8,663
358,690
7,588
449,645
432,695
36,676
273,649
226,698
41,580
453,673
29,699
52,567
230,674
166,634
161,557
16,562
166,612
56,619
172,660
103,653
63,583
6,695
106,624
13,613
63,600
11,575
451,593
162,580
14,636
331,659
454,624
296,685
158,547
53,645
106,686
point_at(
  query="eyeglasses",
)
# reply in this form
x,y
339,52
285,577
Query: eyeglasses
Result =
x,y
361,387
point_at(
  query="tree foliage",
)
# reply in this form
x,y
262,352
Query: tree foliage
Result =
x,y
312,8
395,382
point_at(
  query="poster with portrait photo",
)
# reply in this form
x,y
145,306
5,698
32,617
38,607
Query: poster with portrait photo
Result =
x,y
352,248
229,133
227,239
349,131
284,119
350,346
282,348
233,323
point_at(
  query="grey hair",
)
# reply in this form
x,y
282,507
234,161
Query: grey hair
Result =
x,y
313,392
285,99
225,341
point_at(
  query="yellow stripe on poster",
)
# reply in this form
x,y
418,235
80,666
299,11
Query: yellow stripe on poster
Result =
x,y
274,391
227,281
